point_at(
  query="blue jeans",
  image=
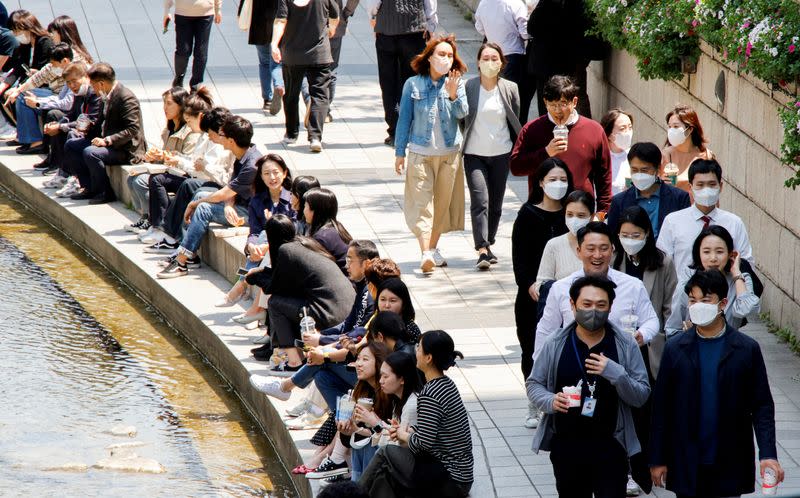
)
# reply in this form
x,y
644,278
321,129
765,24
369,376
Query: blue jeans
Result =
x,y
332,382
205,213
140,193
361,458
28,128
269,72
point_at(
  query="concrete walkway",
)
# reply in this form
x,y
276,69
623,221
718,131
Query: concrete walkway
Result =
x,y
476,308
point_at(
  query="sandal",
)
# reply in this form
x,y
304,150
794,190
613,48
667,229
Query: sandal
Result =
x,y
302,469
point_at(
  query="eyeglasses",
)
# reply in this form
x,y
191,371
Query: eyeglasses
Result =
x,y
557,105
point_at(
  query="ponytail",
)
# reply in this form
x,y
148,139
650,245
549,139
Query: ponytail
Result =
x,y
440,346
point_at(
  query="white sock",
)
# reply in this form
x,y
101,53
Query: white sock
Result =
x,y
339,453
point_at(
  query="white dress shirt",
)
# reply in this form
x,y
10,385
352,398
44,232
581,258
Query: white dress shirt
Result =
x,y
504,22
681,228
630,295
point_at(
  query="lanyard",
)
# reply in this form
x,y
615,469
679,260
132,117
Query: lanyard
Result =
x,y
591,386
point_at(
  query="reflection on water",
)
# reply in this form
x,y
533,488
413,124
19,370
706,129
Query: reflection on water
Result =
x,y
79,355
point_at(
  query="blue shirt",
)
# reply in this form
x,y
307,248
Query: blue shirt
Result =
x,y
650,204
710,352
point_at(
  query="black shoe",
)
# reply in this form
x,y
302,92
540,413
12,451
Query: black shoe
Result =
x,y
177,82
389,141
262,353
42,165
492,257
161,247
37,149
193,262
174,270
82,195
13,143
52,170
22,148
266,106
103,198
483,262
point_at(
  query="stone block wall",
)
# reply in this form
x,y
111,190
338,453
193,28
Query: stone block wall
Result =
x,y
745,134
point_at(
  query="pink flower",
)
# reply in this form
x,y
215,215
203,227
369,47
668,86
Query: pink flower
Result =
x,y
791,49
797,104
694,23
746,25
748,49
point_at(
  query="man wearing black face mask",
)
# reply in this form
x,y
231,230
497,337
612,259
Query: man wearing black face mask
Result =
x,y
590,439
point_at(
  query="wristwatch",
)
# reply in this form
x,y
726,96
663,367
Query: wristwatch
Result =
x,y
378,428
738,277
326,357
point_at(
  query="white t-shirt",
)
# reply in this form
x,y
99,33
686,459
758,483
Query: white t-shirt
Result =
x,y
489,136
620,170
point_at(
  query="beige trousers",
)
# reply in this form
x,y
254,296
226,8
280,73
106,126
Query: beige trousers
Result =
x,y
434,193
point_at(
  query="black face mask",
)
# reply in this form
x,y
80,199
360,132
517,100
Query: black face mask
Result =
x,y
591,319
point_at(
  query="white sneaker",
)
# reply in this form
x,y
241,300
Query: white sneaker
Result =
x,y
306,422
315,145
69,189
427,264
533,419
288,140
271,386
438,259
632,489
299,408
57,181
152,236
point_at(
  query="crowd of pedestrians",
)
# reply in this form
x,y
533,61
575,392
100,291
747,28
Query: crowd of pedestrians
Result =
x,y
632,282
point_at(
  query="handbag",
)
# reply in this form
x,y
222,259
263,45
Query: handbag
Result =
x,y
245,14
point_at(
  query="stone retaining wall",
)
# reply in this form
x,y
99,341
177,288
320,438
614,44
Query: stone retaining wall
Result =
x,y
745,134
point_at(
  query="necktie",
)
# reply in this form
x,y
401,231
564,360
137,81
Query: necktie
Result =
x,y
706,221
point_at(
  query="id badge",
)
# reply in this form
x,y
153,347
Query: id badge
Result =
x,y
588,407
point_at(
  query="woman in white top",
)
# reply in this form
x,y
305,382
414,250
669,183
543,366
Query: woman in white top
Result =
x,y
490,129
560,257
618,126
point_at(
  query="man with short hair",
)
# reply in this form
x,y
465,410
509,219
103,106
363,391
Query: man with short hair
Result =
x,y
589,443
59,126
121,137
711,394
505,22
226,206
595,248
301,42
681,228
647,191
585,148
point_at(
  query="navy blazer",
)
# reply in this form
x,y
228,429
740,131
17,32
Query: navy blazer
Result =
x,y
745,405
671,199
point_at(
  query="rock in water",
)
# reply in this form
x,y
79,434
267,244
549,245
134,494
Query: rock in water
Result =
x,y
123,430
68,467
131,463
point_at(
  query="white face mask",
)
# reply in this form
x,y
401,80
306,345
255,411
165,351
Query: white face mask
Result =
x,y
676,136
703,314
83,90
23,38
574,224
707,197
441,65
489,69
623,139
632,246
555,190
643,181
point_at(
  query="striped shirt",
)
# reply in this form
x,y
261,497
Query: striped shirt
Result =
x,y
442,429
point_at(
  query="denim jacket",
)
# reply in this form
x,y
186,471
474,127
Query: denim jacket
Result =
x,y
415,122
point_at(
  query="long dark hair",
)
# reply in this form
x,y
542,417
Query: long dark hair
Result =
x,y
178,95
718,231
363,390
198,102
537,192
325,207
300,186
399,289
68,32
650,257
23,20
258,183
280,230
404,366
441,347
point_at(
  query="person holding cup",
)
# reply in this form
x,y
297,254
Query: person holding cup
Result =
x,y
685,143
589,445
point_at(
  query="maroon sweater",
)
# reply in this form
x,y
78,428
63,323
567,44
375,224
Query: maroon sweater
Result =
x,y
587,155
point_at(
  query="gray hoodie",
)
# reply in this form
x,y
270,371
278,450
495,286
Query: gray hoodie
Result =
x,y
629,376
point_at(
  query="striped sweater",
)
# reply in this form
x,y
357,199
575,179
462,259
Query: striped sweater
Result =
x,y
442,429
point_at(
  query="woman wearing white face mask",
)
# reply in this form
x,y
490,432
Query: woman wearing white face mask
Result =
x,y
490,130
432,104
638,257
540,219
618,126
685,143
713,249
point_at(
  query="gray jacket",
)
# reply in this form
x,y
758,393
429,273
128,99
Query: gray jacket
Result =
x,y
629,376
509,94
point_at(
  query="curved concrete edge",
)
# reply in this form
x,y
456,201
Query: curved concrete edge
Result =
x,y
84,226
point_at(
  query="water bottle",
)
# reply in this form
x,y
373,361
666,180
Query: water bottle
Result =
x,y
769,486
307,324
